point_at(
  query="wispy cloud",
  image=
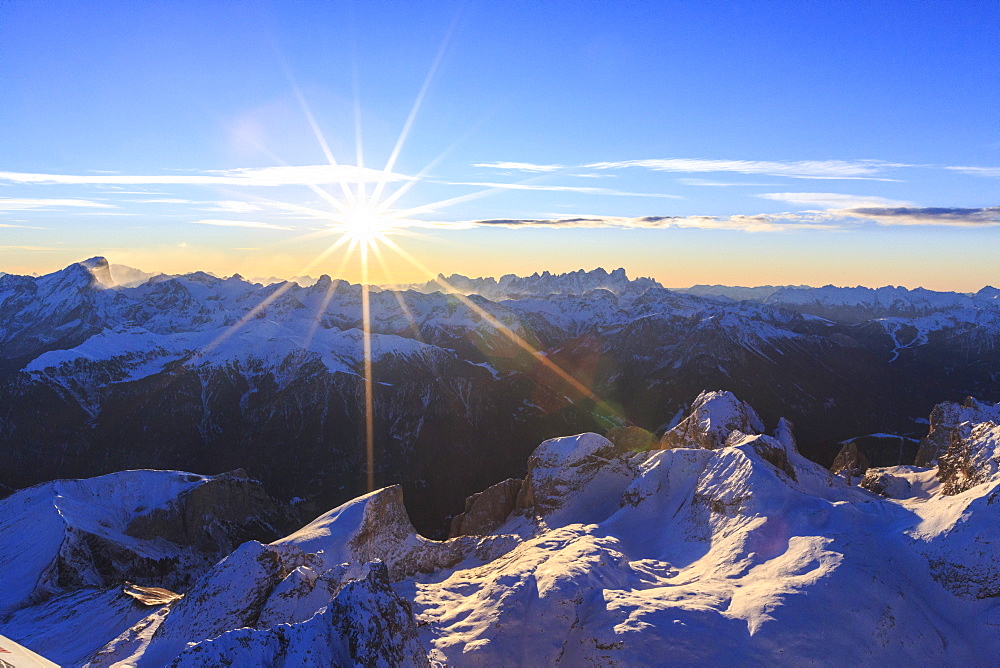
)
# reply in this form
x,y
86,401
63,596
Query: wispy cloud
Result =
x,y
948,216
519,166
240,223
263,176
746,223
165,200
29,248
567,189
235,206
991,172
724,184
802,169
833,200
11,204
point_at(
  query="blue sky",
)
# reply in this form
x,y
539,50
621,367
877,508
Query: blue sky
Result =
x,y
720,142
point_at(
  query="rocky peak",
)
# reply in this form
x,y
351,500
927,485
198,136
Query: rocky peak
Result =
x,y
100,271
970,459
375,526
951,422
714,417
485,511
584,474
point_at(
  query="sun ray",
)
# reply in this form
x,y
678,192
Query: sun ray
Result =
x,y
358,142
377,252
329,294
267,301
391,162
403,189
366,331
348,194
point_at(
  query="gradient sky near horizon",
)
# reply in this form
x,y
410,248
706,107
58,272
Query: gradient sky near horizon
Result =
x,y
743,143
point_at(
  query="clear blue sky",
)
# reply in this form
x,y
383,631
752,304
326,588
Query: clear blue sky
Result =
x,y
770,142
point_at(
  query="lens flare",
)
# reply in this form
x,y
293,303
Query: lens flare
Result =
x,y
364,223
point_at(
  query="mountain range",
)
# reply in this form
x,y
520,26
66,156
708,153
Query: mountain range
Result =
x,y
197,372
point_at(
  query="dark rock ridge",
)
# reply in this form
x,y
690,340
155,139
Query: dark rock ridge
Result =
x,y
216,517
485,511
858,454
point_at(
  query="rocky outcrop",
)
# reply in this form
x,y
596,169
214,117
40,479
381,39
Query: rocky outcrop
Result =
x,y
217,516
633,438
972,460
875,450
153,528
486,511
561,468
951,422
713,417
151,596
366,624
376,526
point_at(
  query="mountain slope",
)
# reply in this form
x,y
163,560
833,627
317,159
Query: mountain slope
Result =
x,y
728,547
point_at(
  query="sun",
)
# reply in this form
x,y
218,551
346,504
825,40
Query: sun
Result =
x,y
364,224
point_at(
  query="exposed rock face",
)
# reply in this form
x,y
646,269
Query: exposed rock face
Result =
x,y
971,460
561,467
878,450
366,624
949,422
713,417
151,596
487,510
153,528
216,517
376,526
633,438
851,461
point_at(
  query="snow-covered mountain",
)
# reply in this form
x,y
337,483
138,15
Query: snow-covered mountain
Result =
x,y
736,293
541,285
213,374
726,547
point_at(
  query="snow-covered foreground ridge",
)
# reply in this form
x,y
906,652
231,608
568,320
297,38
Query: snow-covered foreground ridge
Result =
x,y
726,547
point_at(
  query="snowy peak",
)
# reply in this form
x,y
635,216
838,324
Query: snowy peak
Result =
x,y
706,555
158,528
861,303
100,270
714,418
375,526
542,285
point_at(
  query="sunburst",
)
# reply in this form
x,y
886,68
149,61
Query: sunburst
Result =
x,y
364,222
